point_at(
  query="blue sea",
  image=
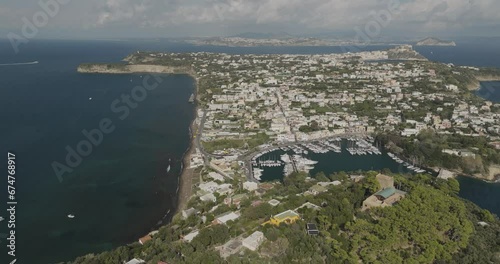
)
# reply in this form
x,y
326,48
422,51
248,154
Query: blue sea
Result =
x,y
122,189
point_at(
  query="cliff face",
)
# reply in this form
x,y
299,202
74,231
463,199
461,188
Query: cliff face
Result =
x,y
127,69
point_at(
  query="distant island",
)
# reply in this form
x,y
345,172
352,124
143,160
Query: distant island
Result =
x,y
255,42
435,42
282,39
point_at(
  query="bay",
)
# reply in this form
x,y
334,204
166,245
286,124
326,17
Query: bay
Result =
x,y
122,191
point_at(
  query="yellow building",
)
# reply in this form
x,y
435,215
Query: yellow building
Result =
x,y
287,217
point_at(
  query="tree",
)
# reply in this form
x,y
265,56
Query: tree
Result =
x,y
425,226
321,177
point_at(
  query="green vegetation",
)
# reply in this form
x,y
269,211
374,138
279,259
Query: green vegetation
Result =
x,y
313,126
257,140
108,66
430,225
427,149
424,227
222,144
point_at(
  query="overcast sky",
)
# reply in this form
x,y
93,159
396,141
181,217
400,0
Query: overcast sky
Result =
x,y
173,18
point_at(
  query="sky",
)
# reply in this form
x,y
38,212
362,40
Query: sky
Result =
x,y
198,18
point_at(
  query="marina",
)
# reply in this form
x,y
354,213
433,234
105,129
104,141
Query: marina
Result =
x,y
328,155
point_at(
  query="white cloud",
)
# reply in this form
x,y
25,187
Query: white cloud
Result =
x,y
331,15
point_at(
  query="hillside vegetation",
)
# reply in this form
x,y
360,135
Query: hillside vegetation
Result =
x,y
430,225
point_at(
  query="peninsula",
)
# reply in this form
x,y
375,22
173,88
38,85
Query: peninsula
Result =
x,y
396,91
421,112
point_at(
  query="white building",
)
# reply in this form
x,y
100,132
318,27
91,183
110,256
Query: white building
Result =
x,y
136,261
224,218
209,197
250,186
189,237
254,240
209,186
225,189
216,176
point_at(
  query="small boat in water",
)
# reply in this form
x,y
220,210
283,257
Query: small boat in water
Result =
x,y
71,216
168,168
1,219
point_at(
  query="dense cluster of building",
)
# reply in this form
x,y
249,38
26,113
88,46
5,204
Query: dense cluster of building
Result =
x,y
303,97
299,98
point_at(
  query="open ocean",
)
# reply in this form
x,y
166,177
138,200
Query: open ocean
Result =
x,y
122,190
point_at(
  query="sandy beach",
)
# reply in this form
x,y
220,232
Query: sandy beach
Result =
x,y
186,177
186,181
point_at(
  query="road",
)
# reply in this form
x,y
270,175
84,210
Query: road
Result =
x,y
206,155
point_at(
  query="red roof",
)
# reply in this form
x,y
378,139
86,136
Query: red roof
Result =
x,y
145,239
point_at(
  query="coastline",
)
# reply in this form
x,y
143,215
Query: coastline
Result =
x,y
187,173
186,177
185,181
490,178
475,85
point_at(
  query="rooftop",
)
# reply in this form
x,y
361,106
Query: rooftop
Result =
x,y
386,193
286,215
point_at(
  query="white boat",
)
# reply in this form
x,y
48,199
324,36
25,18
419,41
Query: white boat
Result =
x,y
71,216
1,219
90,98
168,168
309,162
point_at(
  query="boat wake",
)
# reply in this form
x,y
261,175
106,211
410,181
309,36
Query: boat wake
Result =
x,y
19,63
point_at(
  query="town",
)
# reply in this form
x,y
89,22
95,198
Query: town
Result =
x,y
251,105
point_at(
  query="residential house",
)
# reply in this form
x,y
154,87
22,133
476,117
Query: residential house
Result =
x,y
135,261
253,241
209,197
317,189
250,186
145,239
189,237
231,247
311,229
224,218
383,198
188,212
287,217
